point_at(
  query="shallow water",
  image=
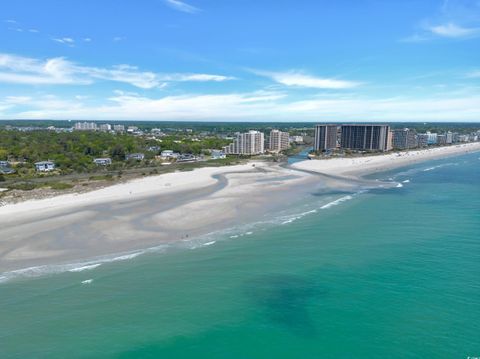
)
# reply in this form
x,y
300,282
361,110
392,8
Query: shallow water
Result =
x,y
385,273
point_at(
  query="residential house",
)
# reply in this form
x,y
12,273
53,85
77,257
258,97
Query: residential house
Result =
x,y
45,166
168,154
103,161
218,154
135,156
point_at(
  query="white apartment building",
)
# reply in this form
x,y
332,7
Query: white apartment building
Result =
x,y
85,126
248,143
278,141
105,127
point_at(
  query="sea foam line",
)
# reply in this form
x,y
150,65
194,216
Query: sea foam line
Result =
x,y
37,271
337,202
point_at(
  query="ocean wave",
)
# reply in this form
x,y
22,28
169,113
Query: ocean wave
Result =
x,y
399,185
87,281
439,166
38,271
293,218
86,267
192,243
337,202
126,257
406,181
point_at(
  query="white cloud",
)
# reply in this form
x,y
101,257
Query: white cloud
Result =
x,y
87,39
23,70
453,31
65,40
259,105
196,77
33,30
299,79
182,6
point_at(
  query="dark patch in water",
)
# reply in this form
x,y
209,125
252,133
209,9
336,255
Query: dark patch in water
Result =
x,y
284,299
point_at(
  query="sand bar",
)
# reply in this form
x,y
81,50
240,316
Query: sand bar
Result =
x,y
176,206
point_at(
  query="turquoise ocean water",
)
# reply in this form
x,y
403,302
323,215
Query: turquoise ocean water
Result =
x,y
392,273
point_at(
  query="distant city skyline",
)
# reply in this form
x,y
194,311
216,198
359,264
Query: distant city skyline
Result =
x,y
204,60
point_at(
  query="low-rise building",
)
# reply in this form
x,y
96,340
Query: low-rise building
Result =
x,y
6,170
296,139
218,154
153,148
168,155
135,156
45,166
106,161
186,158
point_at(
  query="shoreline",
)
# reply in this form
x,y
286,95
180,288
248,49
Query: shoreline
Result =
x,y
140,214
358,167
147,213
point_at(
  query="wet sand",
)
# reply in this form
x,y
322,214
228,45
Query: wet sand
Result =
x,y
156,210
58,230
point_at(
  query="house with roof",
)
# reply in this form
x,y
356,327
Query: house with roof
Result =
x,y
218,154
168,154
135,156
106,161
44,166
6,170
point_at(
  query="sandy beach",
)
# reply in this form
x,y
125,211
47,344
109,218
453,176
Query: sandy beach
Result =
x,y
139,214
177,206
356,167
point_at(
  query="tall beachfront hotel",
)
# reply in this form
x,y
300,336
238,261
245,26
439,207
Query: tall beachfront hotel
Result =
x,y
278,141
366,137
248,143
325,138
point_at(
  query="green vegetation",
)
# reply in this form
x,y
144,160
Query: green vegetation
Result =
x,y
73,152
28,186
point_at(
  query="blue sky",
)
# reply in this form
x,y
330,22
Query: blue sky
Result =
x,y
240,60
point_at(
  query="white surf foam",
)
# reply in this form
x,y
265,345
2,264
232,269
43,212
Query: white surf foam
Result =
x,y
32,272
87,281
128,256
439,166
399,185
209,243
337,202
87,267
406,181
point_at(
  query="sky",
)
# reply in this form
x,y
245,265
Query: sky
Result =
x,y
240,60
